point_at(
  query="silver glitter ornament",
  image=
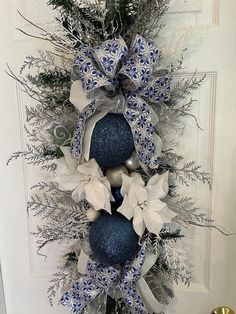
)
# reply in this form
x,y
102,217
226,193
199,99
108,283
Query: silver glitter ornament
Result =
x,y
132,163
114,175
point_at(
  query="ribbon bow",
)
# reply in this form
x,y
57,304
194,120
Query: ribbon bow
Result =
x,y
101,278
112,69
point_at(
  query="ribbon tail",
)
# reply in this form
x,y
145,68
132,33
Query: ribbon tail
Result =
x,y
98,305
129,282
138,115
149,300
134,302
80,295
77,142
151,303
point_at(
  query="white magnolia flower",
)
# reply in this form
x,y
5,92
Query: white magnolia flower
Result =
x,y
143,203
86,181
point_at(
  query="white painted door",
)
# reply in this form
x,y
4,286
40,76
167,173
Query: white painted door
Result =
x,y
208,29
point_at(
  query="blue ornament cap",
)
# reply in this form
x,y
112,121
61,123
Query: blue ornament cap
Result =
x,y
112,141
112,239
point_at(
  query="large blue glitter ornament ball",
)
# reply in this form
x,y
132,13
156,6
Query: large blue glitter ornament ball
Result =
x,y
112,239
112,141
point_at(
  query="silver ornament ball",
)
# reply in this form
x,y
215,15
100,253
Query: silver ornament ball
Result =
x,y
132,163
114,175
92,214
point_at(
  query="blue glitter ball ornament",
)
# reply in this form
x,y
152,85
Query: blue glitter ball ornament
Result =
x,y
112,141
112,239
117,195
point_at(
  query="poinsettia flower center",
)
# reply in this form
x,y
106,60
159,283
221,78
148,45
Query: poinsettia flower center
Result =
x,y
86,180
143,205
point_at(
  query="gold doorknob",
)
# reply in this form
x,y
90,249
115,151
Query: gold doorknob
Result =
x,y
222,310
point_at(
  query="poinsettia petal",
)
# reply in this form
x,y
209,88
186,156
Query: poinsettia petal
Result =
x,y
138,222
140,193
158,186
126,209
128,181
67,182
162,209
66,175
107,207
90,168
167,215
108,186
97,194
137,179
152,221
78,193
156,206
137,194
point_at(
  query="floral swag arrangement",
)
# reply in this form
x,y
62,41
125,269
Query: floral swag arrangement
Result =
x,y
104,107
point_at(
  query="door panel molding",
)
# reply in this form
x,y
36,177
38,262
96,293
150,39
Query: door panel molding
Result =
x,y
2,298
199,145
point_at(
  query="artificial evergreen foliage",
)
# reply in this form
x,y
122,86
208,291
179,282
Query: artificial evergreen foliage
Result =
x,y
65,5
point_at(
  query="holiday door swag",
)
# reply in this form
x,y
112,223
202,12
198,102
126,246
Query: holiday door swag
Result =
x,y
103,107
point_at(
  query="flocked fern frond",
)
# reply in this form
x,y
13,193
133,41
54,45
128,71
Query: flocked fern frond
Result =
x,y
185,172
174,263
187,210
37,156
155,244
185,86
64,218
60,279
148,18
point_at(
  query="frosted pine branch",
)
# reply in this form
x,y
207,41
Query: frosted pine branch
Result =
x,y
185,86
187,210
35,155
61,279
185,172
175,264
191,172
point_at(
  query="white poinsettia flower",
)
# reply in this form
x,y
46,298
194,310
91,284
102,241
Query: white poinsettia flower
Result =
x,y
86,181
143,203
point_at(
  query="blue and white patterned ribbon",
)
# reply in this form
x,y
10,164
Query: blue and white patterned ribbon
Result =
x,y
101,278
112,68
